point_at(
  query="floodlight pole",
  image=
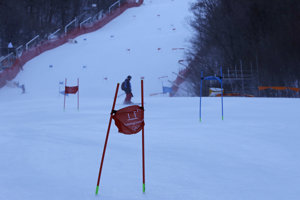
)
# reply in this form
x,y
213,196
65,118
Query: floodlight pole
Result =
x,y
106,139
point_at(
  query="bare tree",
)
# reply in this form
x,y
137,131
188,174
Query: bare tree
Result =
x,y
264,32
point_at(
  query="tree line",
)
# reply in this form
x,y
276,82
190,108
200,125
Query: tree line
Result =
x,y
21,20
264,35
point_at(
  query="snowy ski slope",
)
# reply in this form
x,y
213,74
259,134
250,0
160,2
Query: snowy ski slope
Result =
x,y
47,153
143,42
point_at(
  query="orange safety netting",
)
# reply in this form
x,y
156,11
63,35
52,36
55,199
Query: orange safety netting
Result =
x,y
235,95
279,88
295,89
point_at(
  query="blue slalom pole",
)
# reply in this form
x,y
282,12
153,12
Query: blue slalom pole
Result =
x,y
200,94
222,91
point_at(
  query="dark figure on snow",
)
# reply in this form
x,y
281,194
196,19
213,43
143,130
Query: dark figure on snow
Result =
x,y
126,86
17,84
23,88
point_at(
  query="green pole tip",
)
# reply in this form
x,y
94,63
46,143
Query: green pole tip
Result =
x,y
144,188
200,120
97,189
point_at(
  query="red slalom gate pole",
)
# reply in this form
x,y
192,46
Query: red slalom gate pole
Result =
x,y
143,143
65,94
106,139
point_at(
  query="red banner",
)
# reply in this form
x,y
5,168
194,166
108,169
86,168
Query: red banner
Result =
x,y
71,90
129,120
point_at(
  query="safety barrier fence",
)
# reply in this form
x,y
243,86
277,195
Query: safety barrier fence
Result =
x,y
179,80
181,77
11,64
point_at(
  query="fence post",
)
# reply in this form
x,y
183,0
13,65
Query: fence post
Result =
x,y
257,74
81,23
69,24
18,54
27,44
52,34
117,2
242,77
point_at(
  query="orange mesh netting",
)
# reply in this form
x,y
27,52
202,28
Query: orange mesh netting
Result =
x,y
278,88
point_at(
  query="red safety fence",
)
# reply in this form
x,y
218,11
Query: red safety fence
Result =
x,y
11,72
234,95
278,88
180,79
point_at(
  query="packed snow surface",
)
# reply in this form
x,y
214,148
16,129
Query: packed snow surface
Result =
x,y
47,153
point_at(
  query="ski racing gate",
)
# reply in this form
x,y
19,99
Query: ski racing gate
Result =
x,y
210,78
129,120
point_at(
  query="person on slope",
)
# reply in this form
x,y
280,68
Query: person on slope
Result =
x,y
126,86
